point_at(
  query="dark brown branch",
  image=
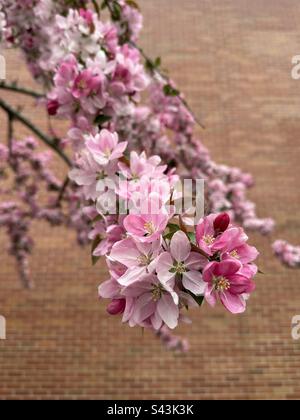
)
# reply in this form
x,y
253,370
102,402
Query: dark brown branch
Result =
x,y
47,140
24,91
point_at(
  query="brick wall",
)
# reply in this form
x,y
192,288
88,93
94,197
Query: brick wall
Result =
x,y
232,58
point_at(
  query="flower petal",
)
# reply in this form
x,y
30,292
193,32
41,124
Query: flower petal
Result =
x,y
168,311
143,308
165,262
192,281
180,246
132,275
196,261
233,303
227,267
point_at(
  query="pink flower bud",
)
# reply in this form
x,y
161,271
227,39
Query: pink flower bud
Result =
x,y
116,307
221,223
52,107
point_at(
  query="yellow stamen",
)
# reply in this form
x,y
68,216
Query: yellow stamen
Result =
x,y
107,152
221,284
209,239
149,228
157,292
180,268
144,260
234,254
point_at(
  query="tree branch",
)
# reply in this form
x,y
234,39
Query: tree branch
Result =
x,y
10,132
47,140
96,7
62,191
23,91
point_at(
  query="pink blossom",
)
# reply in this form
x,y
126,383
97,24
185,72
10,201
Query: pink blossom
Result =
x,y
287,253
225,282
154,304
138,258
105,147
141,166
181,262
87,174
85,84
107,236
211,240
146,228
237,248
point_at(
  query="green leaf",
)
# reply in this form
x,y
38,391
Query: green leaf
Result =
x,y
172,230
153,65
117,12
102,119
158,62
198,299
170,91
133,4
192,237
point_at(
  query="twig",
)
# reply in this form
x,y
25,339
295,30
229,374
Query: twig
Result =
x,y
168,81
62,191
10,132
96,7
24,91
47,140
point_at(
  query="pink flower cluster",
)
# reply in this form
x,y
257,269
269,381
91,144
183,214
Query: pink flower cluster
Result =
x,y
130,22
95,81
287,253
158,270
28,24
152,282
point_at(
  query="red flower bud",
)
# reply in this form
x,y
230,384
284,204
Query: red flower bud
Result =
x,y
221,223
116,307
52,107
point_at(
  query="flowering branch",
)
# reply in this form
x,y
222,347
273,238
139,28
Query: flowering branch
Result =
x,y
95,77
153,68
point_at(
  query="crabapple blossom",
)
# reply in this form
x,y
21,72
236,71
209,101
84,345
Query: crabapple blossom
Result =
x,y
154,303
181,262
146,227
224,281
138,258
105,147
287,253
